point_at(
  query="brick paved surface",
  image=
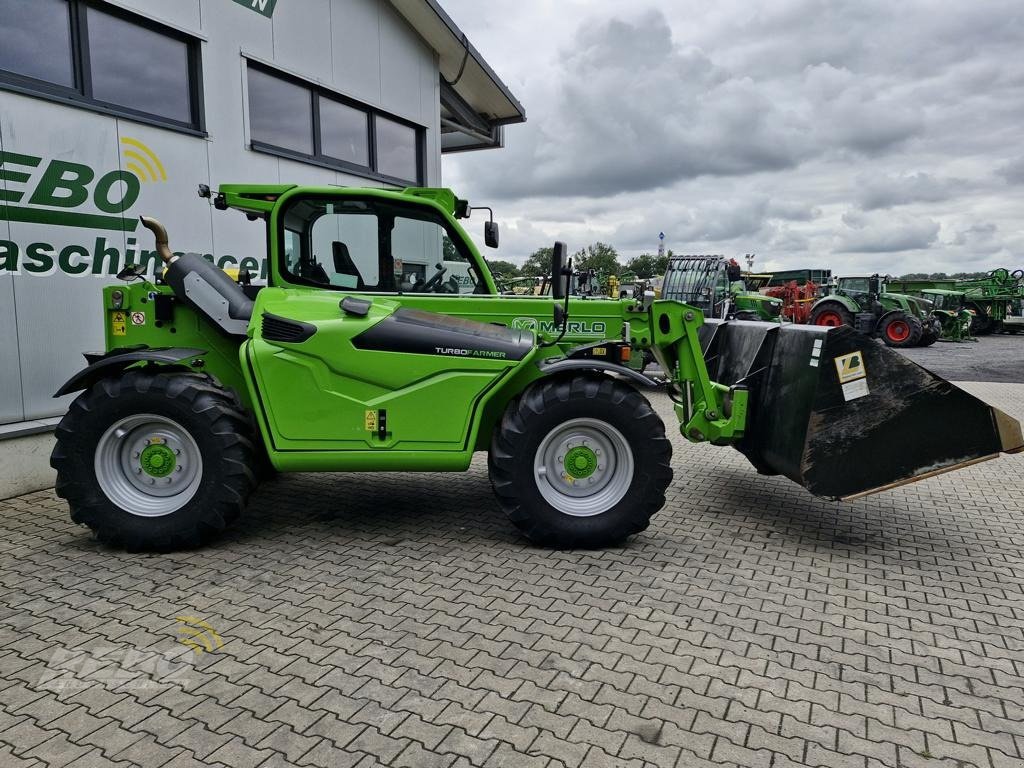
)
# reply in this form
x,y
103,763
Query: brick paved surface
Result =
x,y
397,620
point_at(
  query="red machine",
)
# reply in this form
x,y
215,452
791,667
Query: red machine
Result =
x,y
796,299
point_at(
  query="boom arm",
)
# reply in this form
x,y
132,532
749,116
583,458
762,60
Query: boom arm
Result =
x,y
706,410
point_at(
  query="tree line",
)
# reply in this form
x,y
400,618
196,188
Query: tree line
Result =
x,y
600,257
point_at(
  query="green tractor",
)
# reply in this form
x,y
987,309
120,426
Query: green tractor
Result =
x,y
381,344
715,284
991,298
865,304
951,310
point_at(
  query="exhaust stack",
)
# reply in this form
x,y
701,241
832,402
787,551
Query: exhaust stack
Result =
x,y
160,233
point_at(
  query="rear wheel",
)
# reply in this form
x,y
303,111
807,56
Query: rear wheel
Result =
x,y
833,314
580,462
928,337
155,462
900,329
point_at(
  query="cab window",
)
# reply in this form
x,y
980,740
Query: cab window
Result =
x,y
375,246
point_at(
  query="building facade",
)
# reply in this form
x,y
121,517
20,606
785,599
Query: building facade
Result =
x,y
112,109
109,110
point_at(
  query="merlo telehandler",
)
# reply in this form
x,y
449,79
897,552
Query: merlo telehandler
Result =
x,y
381,344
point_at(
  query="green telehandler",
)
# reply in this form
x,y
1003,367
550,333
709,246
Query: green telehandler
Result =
x,y
381,344
716,286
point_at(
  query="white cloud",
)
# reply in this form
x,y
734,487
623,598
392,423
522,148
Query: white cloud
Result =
x,y
841,134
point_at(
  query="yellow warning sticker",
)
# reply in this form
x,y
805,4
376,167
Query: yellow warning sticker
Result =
x,y
851,367
118,324
371,421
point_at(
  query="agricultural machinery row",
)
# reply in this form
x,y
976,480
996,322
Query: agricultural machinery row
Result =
x,y
902,313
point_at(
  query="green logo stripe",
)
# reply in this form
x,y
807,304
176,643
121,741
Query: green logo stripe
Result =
x,y
13,157
263,7
68,219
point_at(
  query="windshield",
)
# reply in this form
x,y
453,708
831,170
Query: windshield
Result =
x,y
375,246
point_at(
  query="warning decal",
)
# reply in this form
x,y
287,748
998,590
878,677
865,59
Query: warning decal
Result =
x,y
851,367
371,421
118,324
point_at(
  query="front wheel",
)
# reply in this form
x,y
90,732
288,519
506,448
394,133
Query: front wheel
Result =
x,y
155,461
900,329
580,462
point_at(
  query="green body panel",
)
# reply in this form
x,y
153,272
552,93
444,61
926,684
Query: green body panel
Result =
x,y
838,298
323,389
765,307
135,324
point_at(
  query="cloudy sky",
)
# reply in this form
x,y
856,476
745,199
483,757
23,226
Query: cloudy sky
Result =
x,y
863,135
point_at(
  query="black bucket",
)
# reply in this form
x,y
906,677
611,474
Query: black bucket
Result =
x,y
843,415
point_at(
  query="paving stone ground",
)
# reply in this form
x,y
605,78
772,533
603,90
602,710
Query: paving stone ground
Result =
x,y
397,620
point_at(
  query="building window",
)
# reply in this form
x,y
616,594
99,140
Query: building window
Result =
x,y
98,56
31,27
301,121
345,135
281,112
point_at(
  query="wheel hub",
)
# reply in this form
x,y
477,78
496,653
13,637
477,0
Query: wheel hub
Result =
x,y
157,459
580,462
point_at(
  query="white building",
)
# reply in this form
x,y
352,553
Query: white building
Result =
x,y
109,110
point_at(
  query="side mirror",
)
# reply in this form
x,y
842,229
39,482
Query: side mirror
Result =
x,y
559,255
491,234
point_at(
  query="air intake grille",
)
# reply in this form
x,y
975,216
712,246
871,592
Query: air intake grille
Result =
x,y
277,328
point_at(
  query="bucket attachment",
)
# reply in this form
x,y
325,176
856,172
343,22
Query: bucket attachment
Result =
x,y
843,415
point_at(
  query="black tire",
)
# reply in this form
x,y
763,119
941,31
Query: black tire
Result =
x,y
209,414
541,411
887,330
982,323
828,310
928,337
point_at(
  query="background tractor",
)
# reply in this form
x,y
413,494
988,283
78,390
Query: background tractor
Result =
x,y
350,359
950,309
865,303
990,298
715,285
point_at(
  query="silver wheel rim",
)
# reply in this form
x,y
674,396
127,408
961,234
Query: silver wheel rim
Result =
x,y
603,487
148,465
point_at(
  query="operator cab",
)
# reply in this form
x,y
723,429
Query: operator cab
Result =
x,y
375,245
